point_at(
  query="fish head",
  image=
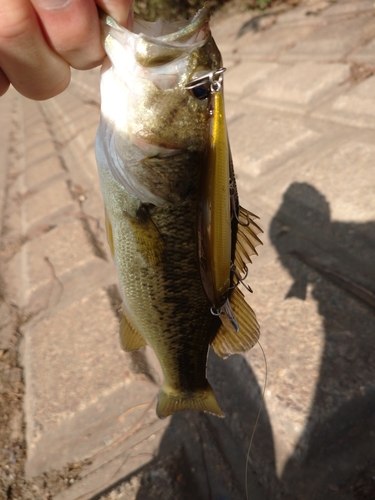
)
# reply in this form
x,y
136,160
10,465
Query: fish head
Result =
x,y
151,123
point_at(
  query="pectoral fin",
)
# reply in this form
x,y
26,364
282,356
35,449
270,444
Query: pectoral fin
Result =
x,y
227,341
149,240
131,339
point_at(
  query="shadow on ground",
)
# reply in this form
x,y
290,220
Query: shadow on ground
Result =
x,y
204,457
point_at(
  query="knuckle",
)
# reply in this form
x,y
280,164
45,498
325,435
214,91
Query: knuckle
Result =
x,y
14,25
50,89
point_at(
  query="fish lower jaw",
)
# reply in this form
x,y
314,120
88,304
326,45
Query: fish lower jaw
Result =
x,y
171,401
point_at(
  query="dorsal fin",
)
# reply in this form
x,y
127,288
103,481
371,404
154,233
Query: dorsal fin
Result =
x,y
131,339
227,341
247,239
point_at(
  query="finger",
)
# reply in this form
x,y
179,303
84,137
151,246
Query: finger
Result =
x,y
72,29
28,62
120,10
4,82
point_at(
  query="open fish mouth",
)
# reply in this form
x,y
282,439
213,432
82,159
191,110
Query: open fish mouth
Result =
x,y
159,47
147,110
164,33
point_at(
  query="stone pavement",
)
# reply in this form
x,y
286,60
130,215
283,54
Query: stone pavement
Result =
x,y
300,99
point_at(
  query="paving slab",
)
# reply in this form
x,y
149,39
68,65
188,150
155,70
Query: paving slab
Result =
x,y
54,198
231,31
329,169
135,443
65,248
334,41
365,53
271,44
348,8
261,137
306,13
75,142
355,107
302,86
43,171
242,77
79,347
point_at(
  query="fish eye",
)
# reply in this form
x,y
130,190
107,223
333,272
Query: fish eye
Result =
x,y
201,91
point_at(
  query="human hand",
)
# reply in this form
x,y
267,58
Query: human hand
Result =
x,y
41,39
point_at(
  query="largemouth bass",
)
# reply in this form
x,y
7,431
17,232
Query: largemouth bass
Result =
x,y
178,237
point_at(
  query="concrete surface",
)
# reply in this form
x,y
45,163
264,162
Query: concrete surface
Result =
x,y
300,102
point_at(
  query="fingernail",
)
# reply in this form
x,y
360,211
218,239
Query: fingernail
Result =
x,y
52,4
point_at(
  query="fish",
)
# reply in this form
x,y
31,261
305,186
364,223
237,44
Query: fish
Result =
x,y
178,236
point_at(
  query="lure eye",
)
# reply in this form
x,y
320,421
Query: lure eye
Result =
x,y
201,91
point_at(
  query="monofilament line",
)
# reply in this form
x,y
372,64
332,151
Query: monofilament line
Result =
x,y
256,422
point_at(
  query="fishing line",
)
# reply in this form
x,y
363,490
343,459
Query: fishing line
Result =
x,y
256,421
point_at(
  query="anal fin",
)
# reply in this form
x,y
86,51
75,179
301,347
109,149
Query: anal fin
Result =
x,y
170,402
227,341
131,339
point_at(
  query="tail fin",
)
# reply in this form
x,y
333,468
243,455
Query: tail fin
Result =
x,y
170,402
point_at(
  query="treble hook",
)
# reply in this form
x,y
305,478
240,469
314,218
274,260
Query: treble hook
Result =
x,y
245,224
241,279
